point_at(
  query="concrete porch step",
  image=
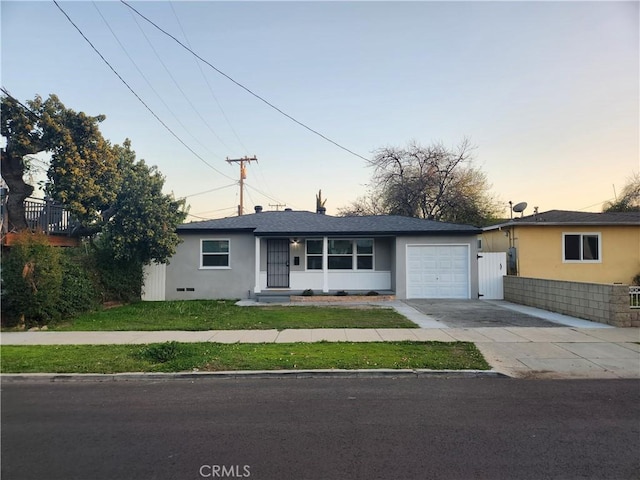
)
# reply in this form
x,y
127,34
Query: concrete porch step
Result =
x,y
273,298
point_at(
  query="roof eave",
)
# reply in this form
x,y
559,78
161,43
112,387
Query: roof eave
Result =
x,y
364,233
559,224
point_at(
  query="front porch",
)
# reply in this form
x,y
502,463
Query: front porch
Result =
x,y
324,265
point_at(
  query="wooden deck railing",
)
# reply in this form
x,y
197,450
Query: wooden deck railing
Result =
x,y
47,216
42,215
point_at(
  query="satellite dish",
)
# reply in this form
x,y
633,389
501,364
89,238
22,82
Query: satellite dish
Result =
x,y
519,207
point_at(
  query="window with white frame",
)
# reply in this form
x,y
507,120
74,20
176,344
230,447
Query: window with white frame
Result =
x,y
343,254
364,254
340,254
581,247
314,254
214,253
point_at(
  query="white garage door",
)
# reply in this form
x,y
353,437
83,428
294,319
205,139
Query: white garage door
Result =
x,y
437,271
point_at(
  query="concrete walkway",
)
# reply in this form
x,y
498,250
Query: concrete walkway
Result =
x,y
581,350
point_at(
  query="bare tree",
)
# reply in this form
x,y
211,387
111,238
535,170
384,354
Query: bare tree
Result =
x,y
431,182
368,204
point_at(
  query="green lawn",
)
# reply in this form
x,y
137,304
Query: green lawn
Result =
x,y
176,357
225,315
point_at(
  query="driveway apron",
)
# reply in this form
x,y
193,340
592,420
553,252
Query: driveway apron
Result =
x,y
475,314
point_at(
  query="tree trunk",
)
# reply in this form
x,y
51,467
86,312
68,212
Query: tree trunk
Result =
x,y
12,168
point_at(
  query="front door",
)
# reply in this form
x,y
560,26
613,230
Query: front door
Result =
x,y
278,263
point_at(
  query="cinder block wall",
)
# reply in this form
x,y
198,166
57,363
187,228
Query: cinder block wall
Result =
x,y
592,301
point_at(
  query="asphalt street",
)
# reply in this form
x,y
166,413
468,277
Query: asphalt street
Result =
x,y
321,428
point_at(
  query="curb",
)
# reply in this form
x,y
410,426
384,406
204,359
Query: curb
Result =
x,y
367,373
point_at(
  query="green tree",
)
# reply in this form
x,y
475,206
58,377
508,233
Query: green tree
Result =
x,y
105,189
431,182
142,227
629,201
23,137
83,170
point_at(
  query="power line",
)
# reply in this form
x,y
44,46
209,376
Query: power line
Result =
x,y
209,86
595,204
34,115
251,92
209,191
145,77
138,96
211,211
263,178
264,194
184,34
175,82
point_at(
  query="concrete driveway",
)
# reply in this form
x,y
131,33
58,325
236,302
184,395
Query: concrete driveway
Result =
x,y
476,313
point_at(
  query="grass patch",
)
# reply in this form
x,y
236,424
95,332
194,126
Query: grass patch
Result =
x,y
176,357
225,315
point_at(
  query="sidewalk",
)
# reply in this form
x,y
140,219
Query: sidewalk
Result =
x,y
558,352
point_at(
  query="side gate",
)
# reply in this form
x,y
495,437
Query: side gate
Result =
x,y
491,268
155,278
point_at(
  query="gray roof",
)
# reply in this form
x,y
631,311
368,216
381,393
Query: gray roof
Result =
x,y
307,223
567,217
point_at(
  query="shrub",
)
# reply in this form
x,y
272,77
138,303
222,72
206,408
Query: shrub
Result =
x,y
342,293
307,293
161,352
636,280
42,284
32,278
80,283
119,280
372,293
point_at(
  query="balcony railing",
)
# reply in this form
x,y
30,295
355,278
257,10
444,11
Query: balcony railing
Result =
x,y
42,215
47,216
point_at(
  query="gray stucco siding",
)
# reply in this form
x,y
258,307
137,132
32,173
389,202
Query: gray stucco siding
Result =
x,y
187,280
383,253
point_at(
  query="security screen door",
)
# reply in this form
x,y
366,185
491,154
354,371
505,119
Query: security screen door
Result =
x,y
278,263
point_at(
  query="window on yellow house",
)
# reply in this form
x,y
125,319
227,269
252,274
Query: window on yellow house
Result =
x,y
581,247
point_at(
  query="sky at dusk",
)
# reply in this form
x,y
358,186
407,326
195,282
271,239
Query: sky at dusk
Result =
x,y
548,92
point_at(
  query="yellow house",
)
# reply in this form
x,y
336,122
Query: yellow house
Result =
x,y
572,246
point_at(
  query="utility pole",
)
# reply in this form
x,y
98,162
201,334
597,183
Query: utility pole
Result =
x,y
243,176
277,205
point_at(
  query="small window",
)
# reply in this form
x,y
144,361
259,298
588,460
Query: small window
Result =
x,y
314,254
581,247
364,250
215,254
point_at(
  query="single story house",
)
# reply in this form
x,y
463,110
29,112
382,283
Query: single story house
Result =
x,y
569,246
288,252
